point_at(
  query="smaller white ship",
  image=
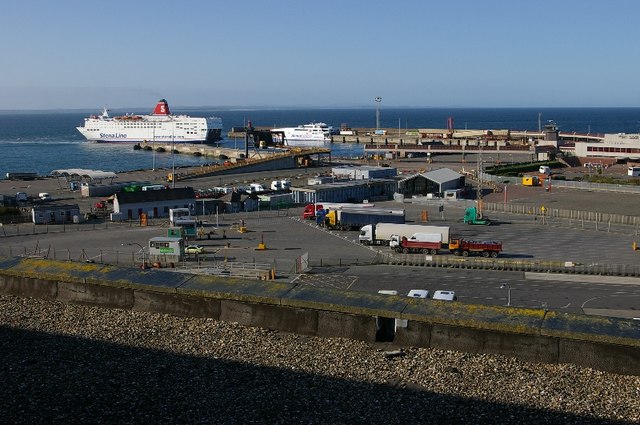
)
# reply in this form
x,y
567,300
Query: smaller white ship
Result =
x,y
312,134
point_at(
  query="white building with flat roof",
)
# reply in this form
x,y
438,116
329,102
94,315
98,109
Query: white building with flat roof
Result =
x,y
620,145
363,172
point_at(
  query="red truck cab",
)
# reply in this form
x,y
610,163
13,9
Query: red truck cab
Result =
x,y
309,212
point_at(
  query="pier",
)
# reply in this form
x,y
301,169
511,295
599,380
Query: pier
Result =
x,y
256,161
402,150
207,151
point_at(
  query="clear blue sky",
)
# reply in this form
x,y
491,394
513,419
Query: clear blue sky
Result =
x,y
235,53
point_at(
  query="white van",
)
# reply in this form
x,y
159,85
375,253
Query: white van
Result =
x,y
256,188
44,196
444,295
544,169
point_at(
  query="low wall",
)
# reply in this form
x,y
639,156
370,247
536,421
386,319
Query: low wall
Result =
x,y
602,343
508,264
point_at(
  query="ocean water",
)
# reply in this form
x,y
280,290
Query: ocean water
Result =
x,y
45,141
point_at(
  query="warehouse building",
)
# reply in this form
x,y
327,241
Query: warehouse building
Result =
x,y
350,191
435,182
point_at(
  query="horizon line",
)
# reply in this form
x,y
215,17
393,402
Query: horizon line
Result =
x,y
294,107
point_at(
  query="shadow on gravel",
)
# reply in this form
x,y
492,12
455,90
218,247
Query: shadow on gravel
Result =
x,y
57,379
498,222
327,269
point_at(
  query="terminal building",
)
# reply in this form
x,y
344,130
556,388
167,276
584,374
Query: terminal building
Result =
x,y
619,146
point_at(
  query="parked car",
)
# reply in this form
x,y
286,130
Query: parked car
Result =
x,y
445,295
193,249
418,293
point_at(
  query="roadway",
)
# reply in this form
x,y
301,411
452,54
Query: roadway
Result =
x,y
601,295
339,261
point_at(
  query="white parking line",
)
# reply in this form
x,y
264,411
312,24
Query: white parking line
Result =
x,y
597,279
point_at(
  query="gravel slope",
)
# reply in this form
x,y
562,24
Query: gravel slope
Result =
x,y
76,364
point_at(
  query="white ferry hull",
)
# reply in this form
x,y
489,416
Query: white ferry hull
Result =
x,y
314,134
128,136
305,142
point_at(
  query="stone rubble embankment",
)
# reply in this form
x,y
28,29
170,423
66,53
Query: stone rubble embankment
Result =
x,y
70,363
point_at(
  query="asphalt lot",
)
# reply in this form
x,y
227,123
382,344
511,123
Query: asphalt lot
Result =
x,y
340,262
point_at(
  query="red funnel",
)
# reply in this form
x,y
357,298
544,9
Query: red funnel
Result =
x,y
162,108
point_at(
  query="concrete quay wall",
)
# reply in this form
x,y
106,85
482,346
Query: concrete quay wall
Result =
x,y
607,344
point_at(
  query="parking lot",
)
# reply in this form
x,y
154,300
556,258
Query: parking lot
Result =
x,y
285,243
281,240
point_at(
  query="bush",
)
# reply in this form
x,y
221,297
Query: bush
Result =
x,y
514,170
9,211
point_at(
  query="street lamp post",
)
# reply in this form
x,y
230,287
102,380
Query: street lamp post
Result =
x,y
506,285
154,149
378,100
173,161
144,259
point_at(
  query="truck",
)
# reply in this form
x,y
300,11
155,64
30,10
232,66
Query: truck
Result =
x,y
467,247
472,215
426,243
355,218
380,234
309,212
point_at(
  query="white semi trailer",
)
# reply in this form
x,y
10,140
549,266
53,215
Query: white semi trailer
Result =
x,y
380,234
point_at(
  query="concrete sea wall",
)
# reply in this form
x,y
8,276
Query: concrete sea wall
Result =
x,y
607,344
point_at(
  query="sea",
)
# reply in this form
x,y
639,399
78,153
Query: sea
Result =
x,y
44,141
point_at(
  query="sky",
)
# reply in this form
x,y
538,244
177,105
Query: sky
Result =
x,y
78,54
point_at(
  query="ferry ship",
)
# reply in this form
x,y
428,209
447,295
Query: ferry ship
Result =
x,y
159,126
303,135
